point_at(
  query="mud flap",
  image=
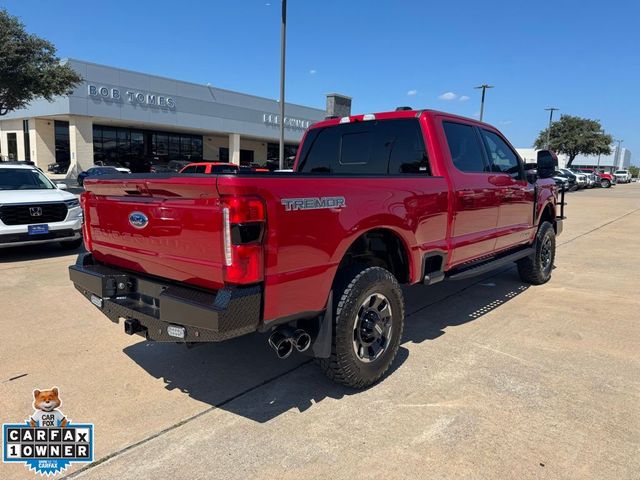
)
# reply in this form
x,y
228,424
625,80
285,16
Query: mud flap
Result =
x,y
321,346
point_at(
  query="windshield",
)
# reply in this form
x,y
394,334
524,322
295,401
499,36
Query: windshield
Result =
x,y
24,179
621,171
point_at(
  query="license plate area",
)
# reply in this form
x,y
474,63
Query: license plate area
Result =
x,y
38,229
97,301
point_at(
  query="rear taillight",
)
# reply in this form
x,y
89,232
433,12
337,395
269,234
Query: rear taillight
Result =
x,y
243,223
86,233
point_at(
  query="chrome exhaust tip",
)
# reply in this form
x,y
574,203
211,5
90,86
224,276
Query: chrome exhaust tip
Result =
x,y
301,340
282,344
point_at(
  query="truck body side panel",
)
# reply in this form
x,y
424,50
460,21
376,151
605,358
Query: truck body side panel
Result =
x,y
304,247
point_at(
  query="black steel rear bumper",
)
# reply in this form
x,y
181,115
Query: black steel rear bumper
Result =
x,y
149,306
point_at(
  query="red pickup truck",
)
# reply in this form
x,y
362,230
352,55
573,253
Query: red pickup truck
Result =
x,y
316,256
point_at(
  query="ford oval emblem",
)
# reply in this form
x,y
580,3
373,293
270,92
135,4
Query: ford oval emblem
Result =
x,y
138,219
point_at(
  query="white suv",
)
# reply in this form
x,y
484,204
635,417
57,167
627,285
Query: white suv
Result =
x,y
33,210
622,176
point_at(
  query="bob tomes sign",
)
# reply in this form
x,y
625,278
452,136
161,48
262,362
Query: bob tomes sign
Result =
x,y
131,96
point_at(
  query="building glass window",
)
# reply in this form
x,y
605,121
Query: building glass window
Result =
x,y
185,148
273,155
137,149
27,142
174,146
246,158
63,150
12,145
223,154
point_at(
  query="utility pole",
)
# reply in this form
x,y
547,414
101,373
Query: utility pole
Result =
x,y
618,154
550,110
283,43
484,87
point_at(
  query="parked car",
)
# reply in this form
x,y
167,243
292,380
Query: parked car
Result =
x,y
107,163
98,172
591,178
157,167
622,176
570,177
58,168
317,256
34,210
581,178
605,180
211,167
177,165
562,183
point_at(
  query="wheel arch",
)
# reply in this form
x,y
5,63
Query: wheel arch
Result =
x,y
381,247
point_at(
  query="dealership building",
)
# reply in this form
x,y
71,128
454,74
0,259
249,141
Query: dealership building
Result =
x,y
135,119
618,159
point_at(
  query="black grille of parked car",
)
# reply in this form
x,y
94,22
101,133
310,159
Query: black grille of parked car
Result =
x,y
25,237
33,213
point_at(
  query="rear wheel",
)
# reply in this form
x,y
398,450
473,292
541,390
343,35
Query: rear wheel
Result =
x,y
367,328
536,269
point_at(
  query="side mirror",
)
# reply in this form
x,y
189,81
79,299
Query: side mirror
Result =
x,y
547,164
61,186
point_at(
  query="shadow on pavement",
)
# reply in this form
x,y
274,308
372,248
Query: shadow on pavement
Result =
x,y
36,252
216,374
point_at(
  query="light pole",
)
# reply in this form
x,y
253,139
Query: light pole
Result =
x,y
283,43
484,87
618,154
550,110
599,132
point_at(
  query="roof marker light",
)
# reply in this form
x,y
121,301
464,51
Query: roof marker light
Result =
x,y
368,116
345,120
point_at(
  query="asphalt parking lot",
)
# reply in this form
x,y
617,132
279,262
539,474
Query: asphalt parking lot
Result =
x,y
494,378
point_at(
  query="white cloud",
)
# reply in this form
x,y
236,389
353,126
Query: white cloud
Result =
x,y
506,122
412,93
448,96
463,98
267,4
313,71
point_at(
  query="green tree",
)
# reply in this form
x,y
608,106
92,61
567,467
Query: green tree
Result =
x,y
29,67
575,136
634,171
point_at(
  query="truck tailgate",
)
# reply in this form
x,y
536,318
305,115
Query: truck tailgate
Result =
x,y
170,226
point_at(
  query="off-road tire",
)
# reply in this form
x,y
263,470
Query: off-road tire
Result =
x,y
351,290
534,269
604,183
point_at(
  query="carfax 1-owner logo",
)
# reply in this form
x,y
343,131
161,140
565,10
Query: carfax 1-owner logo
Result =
x,y
48,442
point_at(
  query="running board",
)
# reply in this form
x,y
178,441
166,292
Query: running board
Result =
x,y
491,265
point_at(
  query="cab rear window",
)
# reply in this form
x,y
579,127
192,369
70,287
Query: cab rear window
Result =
x,y
379,147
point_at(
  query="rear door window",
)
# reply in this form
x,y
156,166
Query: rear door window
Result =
x,y
464,146
407,153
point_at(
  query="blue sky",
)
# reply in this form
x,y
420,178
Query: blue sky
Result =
x,y
580,56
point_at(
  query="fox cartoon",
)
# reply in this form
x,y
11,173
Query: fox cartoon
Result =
x,y
46,414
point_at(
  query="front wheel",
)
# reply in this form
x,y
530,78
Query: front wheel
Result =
x,y
536,269
367,327
604,183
